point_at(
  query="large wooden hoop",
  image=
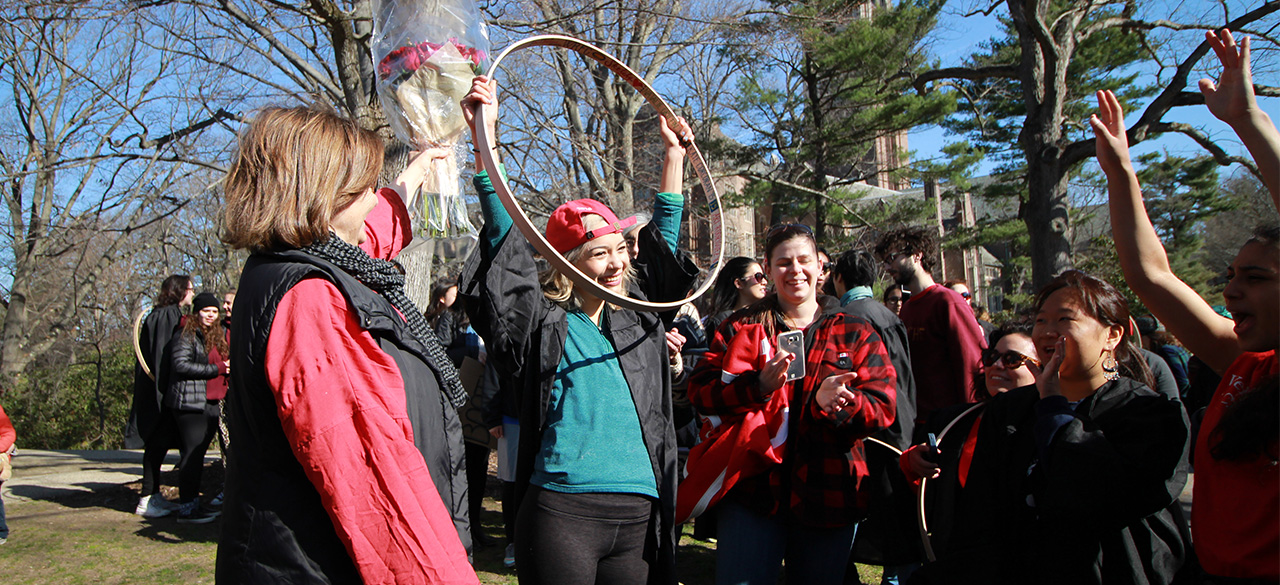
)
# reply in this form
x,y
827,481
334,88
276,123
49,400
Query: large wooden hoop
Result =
x,y
485,144
137,342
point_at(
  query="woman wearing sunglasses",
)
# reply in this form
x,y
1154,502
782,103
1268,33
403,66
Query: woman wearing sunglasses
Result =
x,y
739,284
802,495
1006,364
1074,479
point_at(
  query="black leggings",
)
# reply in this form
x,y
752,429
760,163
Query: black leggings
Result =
x,y
158,443
582,539
195,432
477,474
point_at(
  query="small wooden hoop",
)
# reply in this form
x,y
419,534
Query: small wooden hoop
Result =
x,y
925,539
485,144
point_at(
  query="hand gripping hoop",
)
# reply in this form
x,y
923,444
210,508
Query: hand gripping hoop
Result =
x,y
485,144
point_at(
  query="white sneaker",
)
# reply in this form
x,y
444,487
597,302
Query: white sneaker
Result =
x,y
153,507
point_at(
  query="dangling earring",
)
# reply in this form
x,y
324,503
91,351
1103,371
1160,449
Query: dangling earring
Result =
x,y
1110,368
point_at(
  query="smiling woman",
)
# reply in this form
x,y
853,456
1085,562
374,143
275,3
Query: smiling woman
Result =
x,y
596,470
1076,478
1237,490
799,491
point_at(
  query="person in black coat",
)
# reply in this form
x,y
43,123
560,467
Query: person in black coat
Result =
x,y
597,498
1075,479
185,398
145,427
888,536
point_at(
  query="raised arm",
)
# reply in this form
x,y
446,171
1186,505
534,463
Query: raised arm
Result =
x,y
1232,100
1142,256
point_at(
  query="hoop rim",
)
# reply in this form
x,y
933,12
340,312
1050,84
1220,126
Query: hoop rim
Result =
x,y
486,144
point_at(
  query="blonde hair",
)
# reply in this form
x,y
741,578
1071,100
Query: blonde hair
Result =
x,y
294,169
559,289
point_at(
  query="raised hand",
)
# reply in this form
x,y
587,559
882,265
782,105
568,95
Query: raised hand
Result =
x,y
484,93
678,138
1231,99
1109,134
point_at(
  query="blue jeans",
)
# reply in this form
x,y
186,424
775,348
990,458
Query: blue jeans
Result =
x,y
753,547
898,574
4,526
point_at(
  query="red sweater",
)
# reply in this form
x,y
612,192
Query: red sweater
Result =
x,y
946,348
341,402
1235,521
7,434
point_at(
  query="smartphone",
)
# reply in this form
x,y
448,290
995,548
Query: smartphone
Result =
x,y
931,452
792,342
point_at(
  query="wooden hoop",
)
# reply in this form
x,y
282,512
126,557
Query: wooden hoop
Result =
x,y
137,343
925,539
485,144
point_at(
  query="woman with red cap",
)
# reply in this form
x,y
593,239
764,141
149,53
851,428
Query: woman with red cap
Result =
x,y
597,457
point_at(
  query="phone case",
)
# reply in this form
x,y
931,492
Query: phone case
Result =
x,y
793,342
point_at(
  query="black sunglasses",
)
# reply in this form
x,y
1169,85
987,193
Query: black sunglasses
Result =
x,y
966,295
1012,359
758,277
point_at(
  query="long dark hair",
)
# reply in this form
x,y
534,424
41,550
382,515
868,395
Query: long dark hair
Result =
x,y
173,290
724,296
767,311
435,306
213,336
1249,426
1104,303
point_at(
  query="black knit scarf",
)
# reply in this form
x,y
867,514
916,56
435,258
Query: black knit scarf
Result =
x,y
386,279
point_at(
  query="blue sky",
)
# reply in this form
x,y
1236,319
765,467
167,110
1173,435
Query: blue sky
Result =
x,y
959,36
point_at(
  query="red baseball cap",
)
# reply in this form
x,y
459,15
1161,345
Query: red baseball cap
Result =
x,y
566,231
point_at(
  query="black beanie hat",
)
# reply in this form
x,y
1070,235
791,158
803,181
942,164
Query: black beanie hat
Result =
x,y
204,299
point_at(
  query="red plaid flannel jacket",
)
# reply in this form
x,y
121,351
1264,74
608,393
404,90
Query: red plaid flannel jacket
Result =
x,y
818,481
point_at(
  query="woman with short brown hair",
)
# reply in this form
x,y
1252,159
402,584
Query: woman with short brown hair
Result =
x,y
344,408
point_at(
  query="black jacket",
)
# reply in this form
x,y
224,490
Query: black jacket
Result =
x,y
889,535
1103,507
144,414
275,528
189,368
525,333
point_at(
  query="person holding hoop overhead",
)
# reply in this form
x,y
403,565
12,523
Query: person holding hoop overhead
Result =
x,y
801,504
596,469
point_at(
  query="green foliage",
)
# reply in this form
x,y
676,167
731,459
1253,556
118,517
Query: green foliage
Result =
x,y
1179,194
821,83
58,407
992,111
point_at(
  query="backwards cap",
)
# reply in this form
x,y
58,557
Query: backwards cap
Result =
x,y
566,231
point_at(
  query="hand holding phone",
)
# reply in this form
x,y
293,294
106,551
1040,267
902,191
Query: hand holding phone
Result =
x,y
792,342
931,453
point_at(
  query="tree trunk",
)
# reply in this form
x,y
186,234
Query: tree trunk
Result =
x,y
1045,214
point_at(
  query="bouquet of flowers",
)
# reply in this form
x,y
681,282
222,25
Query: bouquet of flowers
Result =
x,y
427,52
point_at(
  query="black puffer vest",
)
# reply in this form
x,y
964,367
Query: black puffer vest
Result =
x,y
275,529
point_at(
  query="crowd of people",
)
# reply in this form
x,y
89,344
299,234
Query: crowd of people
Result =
x,y
823,425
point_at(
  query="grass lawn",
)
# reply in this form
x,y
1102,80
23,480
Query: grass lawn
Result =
x,y
95,539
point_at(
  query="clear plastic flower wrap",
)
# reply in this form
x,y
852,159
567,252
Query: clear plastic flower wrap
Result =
x,y
427,52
